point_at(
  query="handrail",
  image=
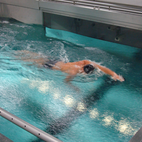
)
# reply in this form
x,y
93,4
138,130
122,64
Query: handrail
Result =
x,y
28,127
137,137
102,5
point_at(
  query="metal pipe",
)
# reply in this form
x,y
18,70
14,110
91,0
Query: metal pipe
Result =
x,y
137,137
103,5
28,127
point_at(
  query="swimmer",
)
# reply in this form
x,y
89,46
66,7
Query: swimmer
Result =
x,y
71,68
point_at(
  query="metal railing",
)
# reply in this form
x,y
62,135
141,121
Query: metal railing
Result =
x,y
137,137
102,6
28,127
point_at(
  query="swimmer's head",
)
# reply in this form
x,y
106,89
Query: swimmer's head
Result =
x,y
88,69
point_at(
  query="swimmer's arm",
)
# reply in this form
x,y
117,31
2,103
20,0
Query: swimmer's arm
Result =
x,y
69,78
109,72
71,75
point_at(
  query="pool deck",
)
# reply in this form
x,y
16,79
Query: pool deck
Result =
x,y
4,138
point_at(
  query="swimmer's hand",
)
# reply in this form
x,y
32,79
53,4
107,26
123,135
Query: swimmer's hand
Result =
x,y
117,77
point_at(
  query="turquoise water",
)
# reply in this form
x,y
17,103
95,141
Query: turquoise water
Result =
x,y
100,110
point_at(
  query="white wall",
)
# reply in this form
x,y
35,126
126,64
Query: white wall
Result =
x,y
26,11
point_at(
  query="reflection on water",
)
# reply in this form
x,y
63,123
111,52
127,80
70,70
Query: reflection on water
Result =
x,y
69,100
122,125
81,107
94,113
56,95
42,86
125,127
108,120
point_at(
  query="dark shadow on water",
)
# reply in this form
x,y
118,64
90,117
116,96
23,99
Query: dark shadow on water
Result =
x,y
62,124
36,110
133,75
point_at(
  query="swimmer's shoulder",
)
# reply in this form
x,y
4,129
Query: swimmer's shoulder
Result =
x,y
87,62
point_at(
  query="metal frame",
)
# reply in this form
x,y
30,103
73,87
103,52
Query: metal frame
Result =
x,y
28,127
115,13
137,137
117,18
126,2
102,5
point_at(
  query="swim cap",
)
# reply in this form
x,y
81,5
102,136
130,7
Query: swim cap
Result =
x,y
88,68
